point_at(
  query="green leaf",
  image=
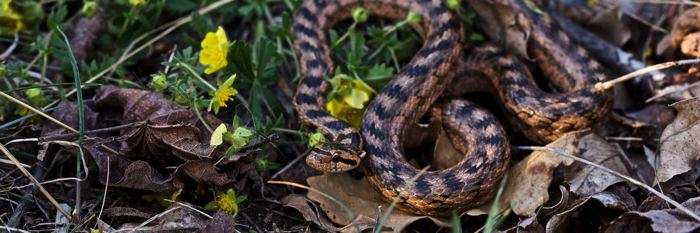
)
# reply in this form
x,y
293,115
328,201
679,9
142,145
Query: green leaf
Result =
x,y
236,122
316,138
241,137
241,198
241,59
57,15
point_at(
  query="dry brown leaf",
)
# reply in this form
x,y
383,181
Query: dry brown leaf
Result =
x,y
529,180
172,136
66,112
611,201
586,180
220,223
309,211
171,129
680,141
362,200
665,221
118,211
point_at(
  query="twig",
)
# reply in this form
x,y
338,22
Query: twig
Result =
x,y
190,207
5,161
664,93
31,178
270,138
150,220
95,131
11,229
37,111
104,195
622,176
602,86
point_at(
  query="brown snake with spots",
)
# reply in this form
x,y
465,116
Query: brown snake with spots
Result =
x,y
539,115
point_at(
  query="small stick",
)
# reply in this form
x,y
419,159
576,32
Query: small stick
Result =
x,y
95,131
602,86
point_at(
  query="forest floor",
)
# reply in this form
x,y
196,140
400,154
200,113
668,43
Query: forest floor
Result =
x,y
177,116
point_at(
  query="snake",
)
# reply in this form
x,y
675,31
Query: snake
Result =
x,y
443,68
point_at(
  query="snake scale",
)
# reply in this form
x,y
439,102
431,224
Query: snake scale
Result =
x,y
541,116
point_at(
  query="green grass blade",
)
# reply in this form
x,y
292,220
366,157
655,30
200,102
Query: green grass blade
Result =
x,y
81,113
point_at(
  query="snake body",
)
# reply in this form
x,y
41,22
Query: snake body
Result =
x,y
539,115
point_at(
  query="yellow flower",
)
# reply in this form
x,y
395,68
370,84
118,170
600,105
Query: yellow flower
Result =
x,y
137,2
227,202
214,51
349,102
223,94
9,18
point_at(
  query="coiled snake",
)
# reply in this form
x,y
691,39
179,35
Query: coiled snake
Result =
x,y
539,115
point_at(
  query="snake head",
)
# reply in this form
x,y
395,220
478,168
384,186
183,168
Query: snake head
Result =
x,y
330,157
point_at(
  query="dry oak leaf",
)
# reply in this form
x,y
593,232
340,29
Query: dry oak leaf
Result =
x,y
172,135
362,200
680,141
586,180
529,180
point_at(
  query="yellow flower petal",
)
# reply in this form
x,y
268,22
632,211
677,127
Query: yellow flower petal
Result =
x,y
137,2
214,51
223,94
356,99
350,101
217,137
